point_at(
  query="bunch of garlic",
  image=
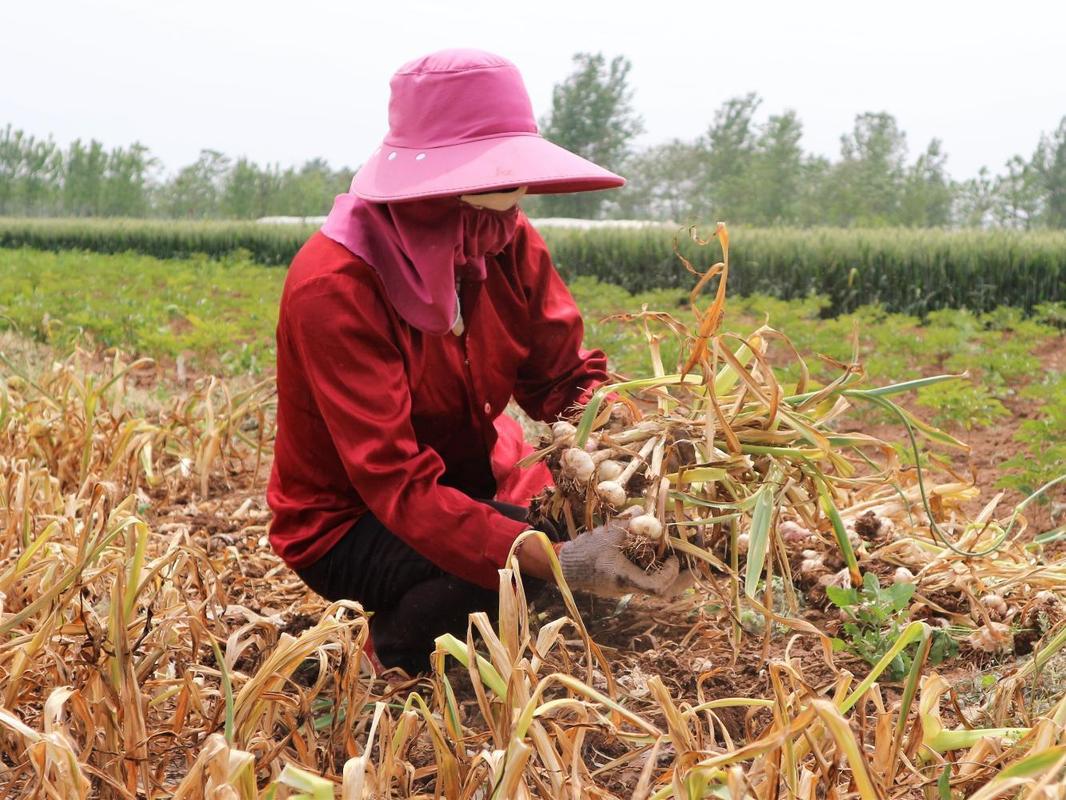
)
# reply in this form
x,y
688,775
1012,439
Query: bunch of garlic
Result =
x,y
605,468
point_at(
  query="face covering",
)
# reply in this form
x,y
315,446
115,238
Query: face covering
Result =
x,y
421,248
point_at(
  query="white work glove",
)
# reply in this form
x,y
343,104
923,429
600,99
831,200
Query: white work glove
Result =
x,y
594,563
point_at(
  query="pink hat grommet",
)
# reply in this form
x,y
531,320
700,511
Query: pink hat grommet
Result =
x,y
460,122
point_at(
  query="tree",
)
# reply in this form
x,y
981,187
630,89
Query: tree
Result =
x,y
30,173
1018,195
740,170
866,184
42,167
777,172
663,184
1049,168
816,191
591,115
10,163
195,191
127,187
927,192
310,190
84,170
974,201
729,147
242,197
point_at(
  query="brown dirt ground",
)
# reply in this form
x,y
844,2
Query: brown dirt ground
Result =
x,y
687,644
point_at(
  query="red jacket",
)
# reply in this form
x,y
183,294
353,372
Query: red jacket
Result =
x,y
374,414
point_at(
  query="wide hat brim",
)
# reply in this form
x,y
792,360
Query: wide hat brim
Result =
x,y
394,174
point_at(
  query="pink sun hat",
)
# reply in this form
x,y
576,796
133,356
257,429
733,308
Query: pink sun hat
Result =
x,y
460,122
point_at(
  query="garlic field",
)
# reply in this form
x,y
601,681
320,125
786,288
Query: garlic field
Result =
x,y
870,508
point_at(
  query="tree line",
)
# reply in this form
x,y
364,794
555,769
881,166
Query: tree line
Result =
x,y
39,178
753,170
745,168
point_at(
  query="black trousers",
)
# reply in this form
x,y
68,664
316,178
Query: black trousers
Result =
x,y
412,599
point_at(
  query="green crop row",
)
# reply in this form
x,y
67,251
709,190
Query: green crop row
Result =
x,y
272,245
912,271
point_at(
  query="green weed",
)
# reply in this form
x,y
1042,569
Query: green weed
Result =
x,y
875,619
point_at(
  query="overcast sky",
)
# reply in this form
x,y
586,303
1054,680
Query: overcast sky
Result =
x,y
283,82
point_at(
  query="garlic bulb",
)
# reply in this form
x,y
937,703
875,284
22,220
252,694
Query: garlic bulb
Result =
x,y
991,638
996,605
609,470
647,526
577,465
902,575
611,493
842,579
793,532
563,432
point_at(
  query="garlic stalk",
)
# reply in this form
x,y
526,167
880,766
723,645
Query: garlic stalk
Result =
x,y
647,524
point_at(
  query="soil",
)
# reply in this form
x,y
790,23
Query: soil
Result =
x,y
989,448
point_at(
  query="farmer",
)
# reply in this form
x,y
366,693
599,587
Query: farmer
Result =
x,y
423,305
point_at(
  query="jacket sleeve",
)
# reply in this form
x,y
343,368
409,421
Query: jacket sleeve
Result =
x,y
359,384
558,372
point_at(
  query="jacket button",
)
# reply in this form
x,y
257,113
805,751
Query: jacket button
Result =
x,y
488,408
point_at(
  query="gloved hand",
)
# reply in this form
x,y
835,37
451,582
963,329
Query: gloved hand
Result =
x,y
594,562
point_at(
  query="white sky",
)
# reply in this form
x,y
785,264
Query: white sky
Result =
x,y
286,81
